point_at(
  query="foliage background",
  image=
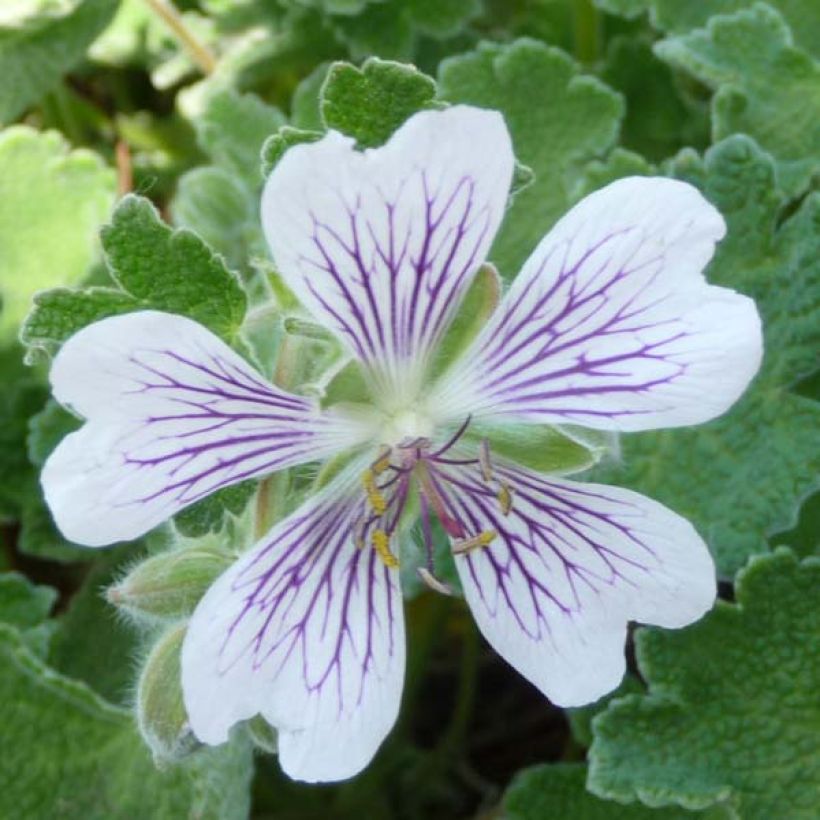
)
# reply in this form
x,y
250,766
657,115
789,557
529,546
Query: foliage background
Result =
x,y
99,98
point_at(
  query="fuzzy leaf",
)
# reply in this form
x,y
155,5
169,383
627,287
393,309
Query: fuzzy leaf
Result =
x,y
372,102
558,119
75,751
22,604
41,42
52,203
732,711
156,268
765,87
679,16
742,477
558,791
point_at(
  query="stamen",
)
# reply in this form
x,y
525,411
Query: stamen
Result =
x,y
458,434
505,498
374,497
484,461
433,582
483,539
381,543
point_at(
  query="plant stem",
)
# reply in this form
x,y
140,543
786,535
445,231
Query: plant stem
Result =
x,y
587,31
198,51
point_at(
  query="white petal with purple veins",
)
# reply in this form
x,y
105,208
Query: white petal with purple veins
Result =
x,y
173,414
306,630
611,324
570,565
381,244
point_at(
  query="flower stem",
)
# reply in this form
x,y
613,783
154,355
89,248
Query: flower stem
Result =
x,y
587,31
198,51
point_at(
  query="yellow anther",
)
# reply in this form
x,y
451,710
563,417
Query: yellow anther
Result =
x,y
505,498
374,497
383,462
483,539
484,461
381,543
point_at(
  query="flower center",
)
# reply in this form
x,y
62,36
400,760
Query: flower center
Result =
x,y
414,462
406,425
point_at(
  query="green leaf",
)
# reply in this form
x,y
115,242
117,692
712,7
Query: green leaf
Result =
x,y
559,120
52,203
75,753
22,604
580,718
732,711
156,268
659,119
372,102
742,477
232,129
384,29
208,515
222,210
558,791
679,16
46,429
305,112
275,146
765,87
441,18
106,661
39,42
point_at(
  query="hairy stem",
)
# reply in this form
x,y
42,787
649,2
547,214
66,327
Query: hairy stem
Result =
x,y
198,51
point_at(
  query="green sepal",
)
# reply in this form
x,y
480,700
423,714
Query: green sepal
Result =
x,y
210,513
540,447
263,735
348,386
161,715
478,304
169,584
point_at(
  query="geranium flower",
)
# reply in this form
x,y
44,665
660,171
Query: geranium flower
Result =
x,y
610,326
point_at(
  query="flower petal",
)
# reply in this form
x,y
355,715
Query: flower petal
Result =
x,y
173,414
380,244
570,565
308,631
611,324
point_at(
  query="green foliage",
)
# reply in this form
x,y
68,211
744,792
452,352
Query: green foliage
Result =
x,y
558,791
74,750
107,663
678,16
155,267
208,514
732,711
659,118
558,118
52,203
372,102
755,464
765,87
22,604
41,41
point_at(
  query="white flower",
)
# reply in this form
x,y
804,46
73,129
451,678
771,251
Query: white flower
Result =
x,y
610,325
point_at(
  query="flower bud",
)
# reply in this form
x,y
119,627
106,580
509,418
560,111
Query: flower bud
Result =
x,y
170,584
161,715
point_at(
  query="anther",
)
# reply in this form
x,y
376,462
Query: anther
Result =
x,y
484,461
374,497
381,543
483,539
505,498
